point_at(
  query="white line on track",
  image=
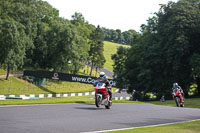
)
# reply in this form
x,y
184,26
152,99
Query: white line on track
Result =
x,y
140,127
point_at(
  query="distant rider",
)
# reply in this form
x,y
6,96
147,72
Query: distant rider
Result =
x,y
175,85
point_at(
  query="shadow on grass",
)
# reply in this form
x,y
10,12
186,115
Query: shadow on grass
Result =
x,y
58,82
47,90
80,102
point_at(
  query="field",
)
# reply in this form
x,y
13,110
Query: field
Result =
x,y
110,49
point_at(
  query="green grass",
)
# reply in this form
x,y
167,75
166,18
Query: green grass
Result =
x,y
189,103
2,72
57,101
110,49
47,101
18,86
63,87
187,127
15,86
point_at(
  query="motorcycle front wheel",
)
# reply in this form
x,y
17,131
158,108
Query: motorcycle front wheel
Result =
x,y
177,100
97,101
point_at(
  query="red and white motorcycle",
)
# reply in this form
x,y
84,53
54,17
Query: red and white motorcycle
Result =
x,y
102,96
178,97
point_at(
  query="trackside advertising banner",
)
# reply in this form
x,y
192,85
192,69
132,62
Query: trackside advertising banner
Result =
x,y
64,77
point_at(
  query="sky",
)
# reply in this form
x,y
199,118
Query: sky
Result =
x,y
111,14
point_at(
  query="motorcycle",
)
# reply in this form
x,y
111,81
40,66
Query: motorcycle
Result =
x,y
178,97
102,96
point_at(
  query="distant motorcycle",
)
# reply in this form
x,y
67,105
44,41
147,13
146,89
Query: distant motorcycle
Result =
x,y
102,96
178,97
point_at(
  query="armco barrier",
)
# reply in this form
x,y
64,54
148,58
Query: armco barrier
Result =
x,y
37,96
2,97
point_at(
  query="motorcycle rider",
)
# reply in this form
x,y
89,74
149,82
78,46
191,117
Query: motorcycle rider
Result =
x,y
175,85
105,80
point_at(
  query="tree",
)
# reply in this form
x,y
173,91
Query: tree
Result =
x,y
31,14
43,16
52,41
127,37
97,58
13,42
82,30
166,52
130,37
195,63
181,22
120,37
60,41
120,59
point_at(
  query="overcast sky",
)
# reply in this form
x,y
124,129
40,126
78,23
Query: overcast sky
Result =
x,y
112,14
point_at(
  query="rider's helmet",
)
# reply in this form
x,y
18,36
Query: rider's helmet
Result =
x,y
175,85
104,77
102,74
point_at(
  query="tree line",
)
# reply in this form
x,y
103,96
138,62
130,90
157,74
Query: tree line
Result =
x,y
167,51
117,36
33,35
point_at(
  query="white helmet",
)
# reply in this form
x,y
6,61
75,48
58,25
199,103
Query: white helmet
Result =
x,y
175,85
102,74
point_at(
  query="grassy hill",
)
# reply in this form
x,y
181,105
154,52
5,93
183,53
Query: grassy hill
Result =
x,y
18,86
110,49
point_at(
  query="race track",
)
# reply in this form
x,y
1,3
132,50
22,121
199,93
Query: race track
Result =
x,y
69,118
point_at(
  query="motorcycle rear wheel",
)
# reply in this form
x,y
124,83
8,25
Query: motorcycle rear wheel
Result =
x,y
109,105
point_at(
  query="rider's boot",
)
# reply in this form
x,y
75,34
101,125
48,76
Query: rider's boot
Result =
x,y
110,93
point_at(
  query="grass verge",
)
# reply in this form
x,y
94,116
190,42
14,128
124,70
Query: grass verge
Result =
x,y
47,101
57,101
189,103
187,127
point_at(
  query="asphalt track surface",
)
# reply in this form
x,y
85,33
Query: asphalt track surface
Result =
x,y
69,118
